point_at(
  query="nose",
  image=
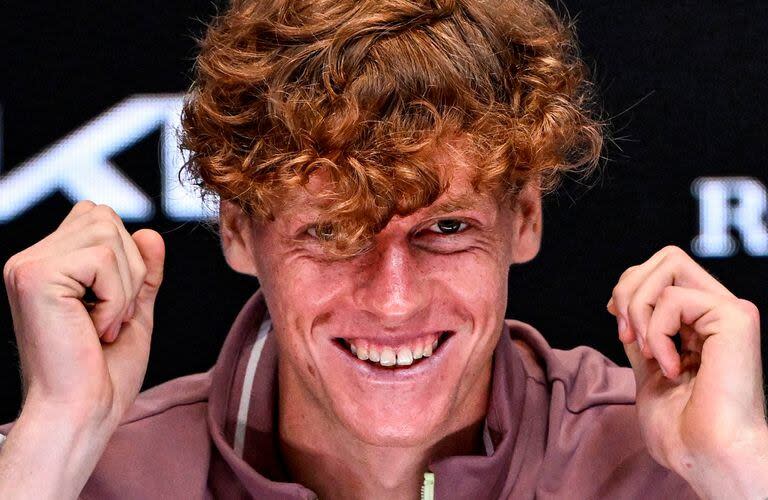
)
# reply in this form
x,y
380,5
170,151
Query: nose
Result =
x,y
390,285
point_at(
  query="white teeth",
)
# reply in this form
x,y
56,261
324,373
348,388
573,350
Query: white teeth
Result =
x,y
404,357
373,355
387,357
362,353
418,352
428,351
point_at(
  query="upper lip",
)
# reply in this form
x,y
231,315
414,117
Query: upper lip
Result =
x,y
396,338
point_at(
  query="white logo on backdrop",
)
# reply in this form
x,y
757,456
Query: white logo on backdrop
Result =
x,y
79,165
732,210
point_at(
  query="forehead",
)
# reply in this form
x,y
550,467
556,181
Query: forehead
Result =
x,y
459,195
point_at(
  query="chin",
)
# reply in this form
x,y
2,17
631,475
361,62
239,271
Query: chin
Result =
x,y
389,424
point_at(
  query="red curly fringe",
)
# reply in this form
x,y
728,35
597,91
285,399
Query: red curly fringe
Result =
x,y
364,91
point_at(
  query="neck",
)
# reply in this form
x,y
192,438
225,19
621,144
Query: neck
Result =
x,y
324,456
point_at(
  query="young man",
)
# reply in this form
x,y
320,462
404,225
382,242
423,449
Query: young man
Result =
x,y
380,166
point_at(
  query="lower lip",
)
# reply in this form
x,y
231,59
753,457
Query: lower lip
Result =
x,y
377,373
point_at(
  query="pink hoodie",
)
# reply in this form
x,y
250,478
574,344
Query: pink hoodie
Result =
x,y
561,424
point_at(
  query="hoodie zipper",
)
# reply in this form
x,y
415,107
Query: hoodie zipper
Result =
x,y
428,487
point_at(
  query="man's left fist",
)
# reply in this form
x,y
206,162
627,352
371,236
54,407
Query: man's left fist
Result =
x,y
701,410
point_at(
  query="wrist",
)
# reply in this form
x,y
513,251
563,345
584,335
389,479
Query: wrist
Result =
x,y
739,470
51,452
93,408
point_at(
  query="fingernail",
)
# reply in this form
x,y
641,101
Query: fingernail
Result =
x,y
663,371
622,325
609,304
640,343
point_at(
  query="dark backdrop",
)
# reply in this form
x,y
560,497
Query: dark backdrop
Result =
x,y
683,83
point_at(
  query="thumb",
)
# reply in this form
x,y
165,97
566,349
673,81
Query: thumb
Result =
x,y
127,356
152,250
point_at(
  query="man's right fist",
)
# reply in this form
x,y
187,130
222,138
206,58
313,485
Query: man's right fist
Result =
x,y
78,360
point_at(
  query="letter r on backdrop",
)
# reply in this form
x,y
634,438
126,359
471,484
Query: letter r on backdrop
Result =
x,y
732,211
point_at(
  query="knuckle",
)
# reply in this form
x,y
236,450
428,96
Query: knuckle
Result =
x,y
105,255
83,205
106,212
627,272
105,230
674,253
749,309
9,269
25,275
619,291
672,250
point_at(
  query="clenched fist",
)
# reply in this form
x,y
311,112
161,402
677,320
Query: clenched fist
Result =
x,y
89,359
82,362
702,409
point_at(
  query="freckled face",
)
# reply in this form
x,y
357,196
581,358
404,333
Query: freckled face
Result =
x,y
425,306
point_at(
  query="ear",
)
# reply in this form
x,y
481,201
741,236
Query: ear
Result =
x,y
236,238
527,223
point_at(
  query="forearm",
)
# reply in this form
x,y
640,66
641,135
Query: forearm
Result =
x,y
46,456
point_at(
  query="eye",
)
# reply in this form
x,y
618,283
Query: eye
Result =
x,y
321,231
448,226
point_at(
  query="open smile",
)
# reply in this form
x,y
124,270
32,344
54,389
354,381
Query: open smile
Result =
x,y
394,355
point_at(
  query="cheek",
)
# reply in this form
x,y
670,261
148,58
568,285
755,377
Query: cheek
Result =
x,y
478,283
300,293
476,279
288,280
311,284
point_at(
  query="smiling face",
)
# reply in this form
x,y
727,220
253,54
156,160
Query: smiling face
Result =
x,y
394,346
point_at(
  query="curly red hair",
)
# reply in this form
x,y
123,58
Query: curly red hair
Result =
x,y
364,91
